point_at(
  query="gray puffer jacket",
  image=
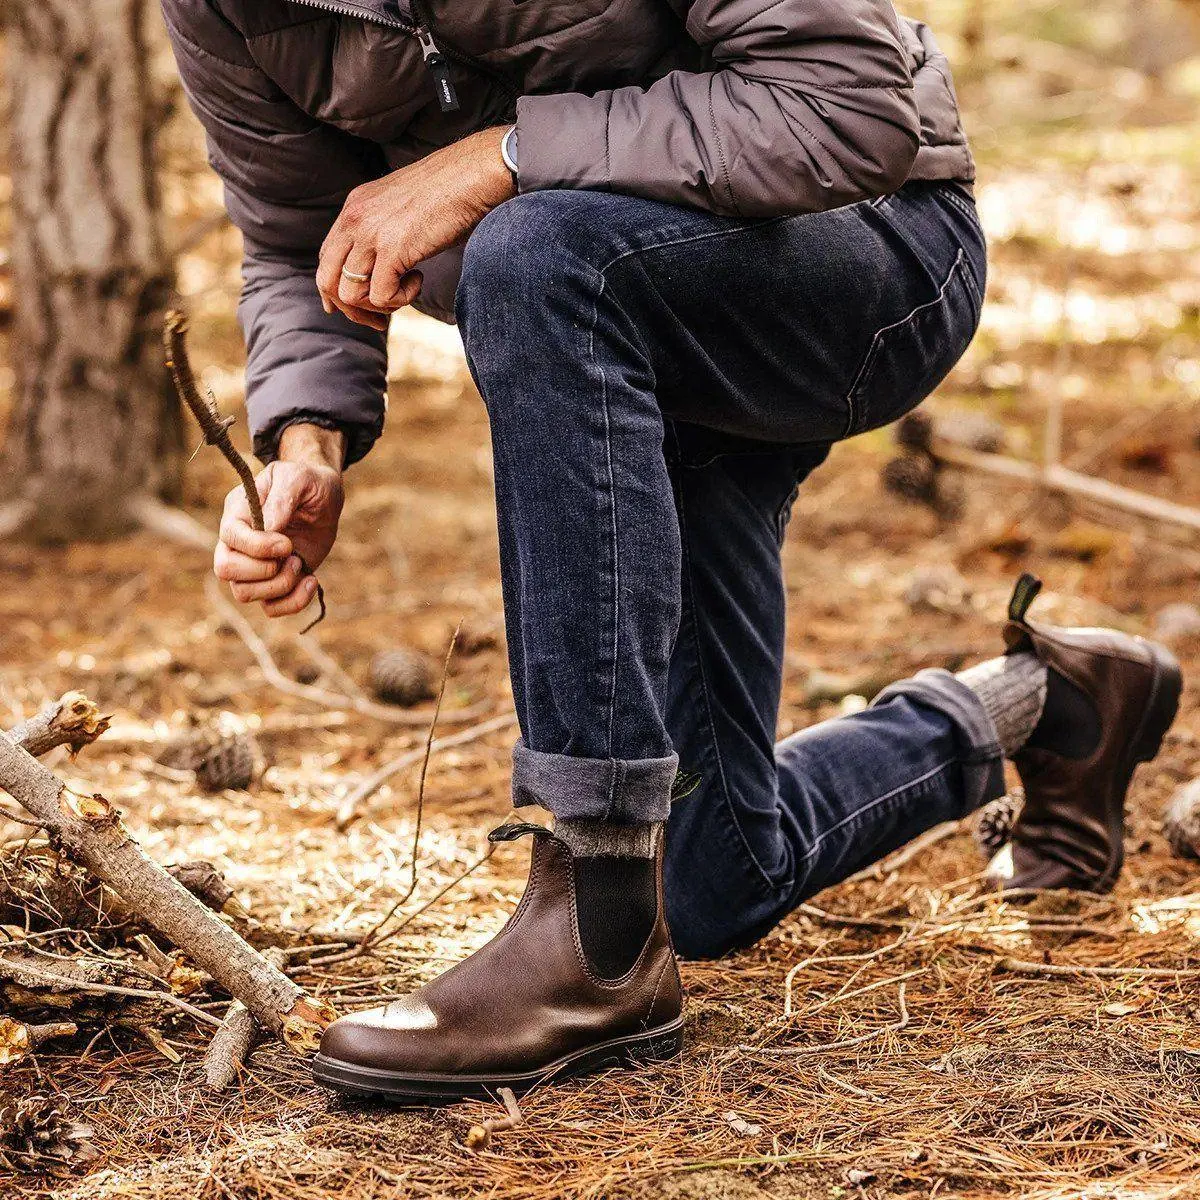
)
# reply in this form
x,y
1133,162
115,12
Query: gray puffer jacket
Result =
x,y
750,108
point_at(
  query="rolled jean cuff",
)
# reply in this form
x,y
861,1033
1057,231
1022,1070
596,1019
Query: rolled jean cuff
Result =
x,y
980,754
621,791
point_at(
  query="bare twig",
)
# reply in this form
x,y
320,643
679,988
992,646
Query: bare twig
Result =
x,y
480,1136
216,430
303,691
802,1051
373,932
24,971
351,807
918,846
1057,478
18,1039
233,1041
1065,971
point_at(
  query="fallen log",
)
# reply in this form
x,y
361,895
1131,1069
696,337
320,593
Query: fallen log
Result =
x,y
89,829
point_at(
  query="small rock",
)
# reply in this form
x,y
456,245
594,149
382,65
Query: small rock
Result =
x,y
1176,622
403,677
1181,820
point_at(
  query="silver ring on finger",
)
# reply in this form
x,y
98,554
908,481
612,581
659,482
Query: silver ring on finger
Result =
x,y
355,277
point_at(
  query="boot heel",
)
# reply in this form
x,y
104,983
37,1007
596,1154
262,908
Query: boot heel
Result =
x,y
1163,705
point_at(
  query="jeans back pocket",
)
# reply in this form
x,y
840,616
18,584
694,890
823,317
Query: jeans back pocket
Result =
x,y
908,359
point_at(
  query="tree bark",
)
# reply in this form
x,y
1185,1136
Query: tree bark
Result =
x,y
95,422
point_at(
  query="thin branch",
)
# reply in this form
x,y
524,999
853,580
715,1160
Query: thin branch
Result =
x,y
351,807
216,431
214,427
304,691
416,846
1065,971
77,985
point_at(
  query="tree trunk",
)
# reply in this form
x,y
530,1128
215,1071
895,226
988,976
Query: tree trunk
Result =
x,y
95,423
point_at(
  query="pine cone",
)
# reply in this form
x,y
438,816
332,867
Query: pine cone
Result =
x,y
1181,820
187,750
230,763
402,677
912,477
40,1135
994,824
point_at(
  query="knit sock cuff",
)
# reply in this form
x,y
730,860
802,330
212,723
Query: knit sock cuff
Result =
x,y
593,839
1012,690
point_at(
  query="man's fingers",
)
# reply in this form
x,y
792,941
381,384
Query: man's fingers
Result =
x,y
270,589
361,316
238,535
337,245
354,276
298,599
235,567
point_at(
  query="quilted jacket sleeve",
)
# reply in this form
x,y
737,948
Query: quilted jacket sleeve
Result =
x,y
286,177
809,105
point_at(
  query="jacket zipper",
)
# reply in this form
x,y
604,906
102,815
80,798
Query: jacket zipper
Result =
x,y
435,57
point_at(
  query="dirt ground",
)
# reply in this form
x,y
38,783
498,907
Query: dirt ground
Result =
x,y
927,1065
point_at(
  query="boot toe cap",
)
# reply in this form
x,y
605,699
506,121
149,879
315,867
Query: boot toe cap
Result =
x,y
385,1037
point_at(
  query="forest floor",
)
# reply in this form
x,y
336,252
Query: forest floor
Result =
x,y
976,1081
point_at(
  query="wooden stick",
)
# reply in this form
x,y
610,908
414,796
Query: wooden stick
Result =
x,y
216,431
351,807
305,691
18,1039
1062,479
73,720
480,1136
233,1041
90,830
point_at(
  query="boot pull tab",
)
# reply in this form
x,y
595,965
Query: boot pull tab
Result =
x,y
517,829
1023,596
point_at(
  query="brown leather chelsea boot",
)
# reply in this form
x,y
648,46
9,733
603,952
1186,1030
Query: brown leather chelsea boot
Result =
x,y
1111,699
526,1008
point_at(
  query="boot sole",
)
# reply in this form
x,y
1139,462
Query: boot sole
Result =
x,y
406,1087
1162,707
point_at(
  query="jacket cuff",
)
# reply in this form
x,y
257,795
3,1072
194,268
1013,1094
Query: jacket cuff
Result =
x,y
359,438
563,142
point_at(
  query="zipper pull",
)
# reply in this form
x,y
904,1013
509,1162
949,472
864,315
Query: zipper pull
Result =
x,y
435,64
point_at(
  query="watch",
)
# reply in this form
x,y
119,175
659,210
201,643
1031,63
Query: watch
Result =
x,y
508,152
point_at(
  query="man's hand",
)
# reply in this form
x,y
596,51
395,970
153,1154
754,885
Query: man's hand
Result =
x,y
389,225
302,500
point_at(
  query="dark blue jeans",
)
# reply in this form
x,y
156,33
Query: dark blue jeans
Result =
x,y
659,382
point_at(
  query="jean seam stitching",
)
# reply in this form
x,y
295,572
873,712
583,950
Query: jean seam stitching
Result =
x,y
872,354
612,503
686,573
855,817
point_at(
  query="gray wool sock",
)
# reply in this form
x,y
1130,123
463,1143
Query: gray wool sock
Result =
x,y
597,839
1012,690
